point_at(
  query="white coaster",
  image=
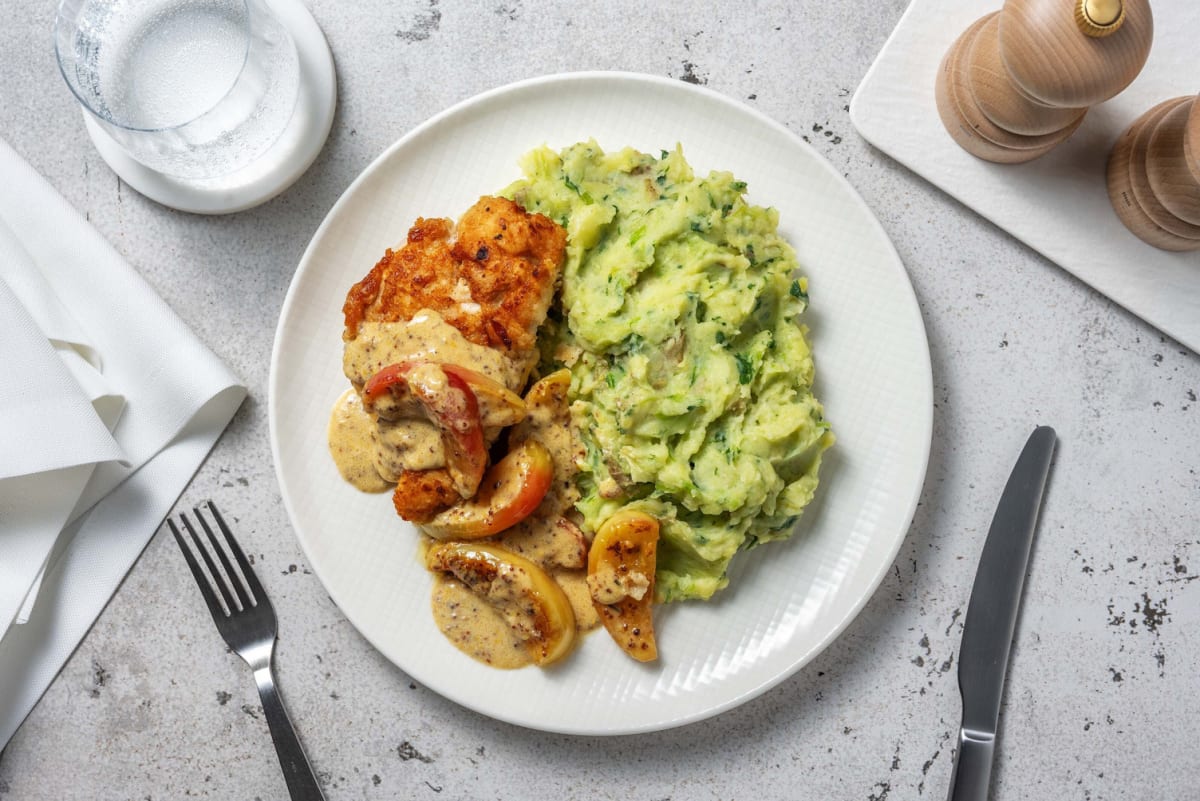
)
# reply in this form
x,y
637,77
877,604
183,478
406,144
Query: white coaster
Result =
x,y
271,173
1057,204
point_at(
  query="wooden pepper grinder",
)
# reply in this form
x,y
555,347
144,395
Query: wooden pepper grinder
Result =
x,y
1154,175
1019,81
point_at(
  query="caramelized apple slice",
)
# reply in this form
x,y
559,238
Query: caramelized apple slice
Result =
x,y
509,493
498,407
389,395
621,565
551,391
452,407
535,607
447,401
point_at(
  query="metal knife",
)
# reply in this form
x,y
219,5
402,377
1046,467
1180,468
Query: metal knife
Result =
x,y
992,617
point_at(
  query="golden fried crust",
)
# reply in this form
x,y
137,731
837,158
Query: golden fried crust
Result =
x,y
494,282
421,494
492,277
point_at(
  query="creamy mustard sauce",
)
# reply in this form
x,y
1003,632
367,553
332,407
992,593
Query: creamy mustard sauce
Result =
x,y
352,444
548,420
406,445
574,584
372,452
548,537
475,627
426,337
556,432
411,442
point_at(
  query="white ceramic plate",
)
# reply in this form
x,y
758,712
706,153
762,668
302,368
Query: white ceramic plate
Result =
x,y
787,601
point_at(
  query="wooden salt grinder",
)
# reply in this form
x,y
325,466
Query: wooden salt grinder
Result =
x,y
1154,175
1019,81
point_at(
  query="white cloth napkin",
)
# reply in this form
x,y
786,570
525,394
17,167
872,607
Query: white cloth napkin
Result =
x,y
56,414
108,405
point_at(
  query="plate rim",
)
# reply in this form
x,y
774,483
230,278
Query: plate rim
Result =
x,y
892,257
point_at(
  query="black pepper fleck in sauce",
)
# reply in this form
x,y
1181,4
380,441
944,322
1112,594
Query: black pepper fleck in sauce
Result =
x,y
406,444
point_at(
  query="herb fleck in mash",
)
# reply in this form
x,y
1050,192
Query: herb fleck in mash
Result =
x,y
691,376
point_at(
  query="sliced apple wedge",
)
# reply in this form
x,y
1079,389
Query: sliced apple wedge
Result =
x,y
509,493
447,401
498,407
456,414
551,392
388,393
621,564
533,605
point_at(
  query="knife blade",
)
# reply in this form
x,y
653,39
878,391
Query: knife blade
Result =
x,y
992,616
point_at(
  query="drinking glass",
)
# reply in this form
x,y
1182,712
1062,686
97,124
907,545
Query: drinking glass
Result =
x,y
190,88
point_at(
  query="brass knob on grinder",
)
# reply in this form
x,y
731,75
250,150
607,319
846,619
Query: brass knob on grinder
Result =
x,y
1018,82
1099,18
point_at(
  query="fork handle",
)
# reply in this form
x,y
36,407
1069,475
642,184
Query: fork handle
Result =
x,y
302,784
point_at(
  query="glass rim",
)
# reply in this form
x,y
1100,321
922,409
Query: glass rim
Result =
x,y
247,35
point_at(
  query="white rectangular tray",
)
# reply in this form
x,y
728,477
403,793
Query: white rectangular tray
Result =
x,y
1058,204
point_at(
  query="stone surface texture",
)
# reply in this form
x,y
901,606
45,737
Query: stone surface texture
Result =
x,y
1101,699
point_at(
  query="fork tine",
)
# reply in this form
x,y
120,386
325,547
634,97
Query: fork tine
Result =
x,y
208,562
206,590
238,588
260,596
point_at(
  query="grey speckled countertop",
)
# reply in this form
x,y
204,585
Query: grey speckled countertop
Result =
x,y
1101,700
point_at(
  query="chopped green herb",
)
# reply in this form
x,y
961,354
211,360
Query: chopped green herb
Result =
x,y
575,188
745,368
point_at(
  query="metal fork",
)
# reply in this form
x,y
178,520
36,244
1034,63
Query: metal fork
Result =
x,y
247,623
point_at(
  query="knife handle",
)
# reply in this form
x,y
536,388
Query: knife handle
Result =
x,y
972,769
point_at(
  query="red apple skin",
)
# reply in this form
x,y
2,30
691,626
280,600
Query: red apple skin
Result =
x,y
454,410
510,491
456,414
498,406
390,385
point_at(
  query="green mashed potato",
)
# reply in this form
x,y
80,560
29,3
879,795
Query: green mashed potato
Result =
x,y
691,377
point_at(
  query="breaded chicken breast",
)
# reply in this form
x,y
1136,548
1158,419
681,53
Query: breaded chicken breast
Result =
x,y
492,277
